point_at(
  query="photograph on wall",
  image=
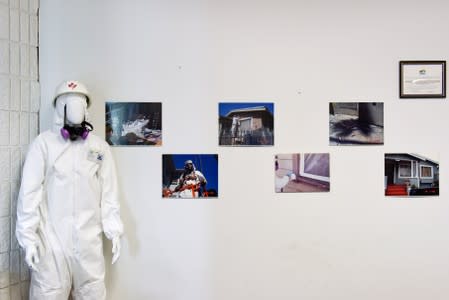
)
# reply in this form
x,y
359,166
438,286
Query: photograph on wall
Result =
x,y
410,174
302,173
422,79
356,123
246,124
134,123
190,175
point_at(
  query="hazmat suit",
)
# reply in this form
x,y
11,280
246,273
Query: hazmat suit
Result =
x,y
190,182
67,199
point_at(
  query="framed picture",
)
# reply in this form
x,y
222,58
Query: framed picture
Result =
x,y
422,79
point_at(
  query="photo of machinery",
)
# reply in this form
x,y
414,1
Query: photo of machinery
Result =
x,y
356,123
134,123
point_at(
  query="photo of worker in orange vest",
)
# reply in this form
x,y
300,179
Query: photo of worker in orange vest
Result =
x,y
190,176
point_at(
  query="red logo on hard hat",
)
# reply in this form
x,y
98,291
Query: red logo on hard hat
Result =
x,y
72,85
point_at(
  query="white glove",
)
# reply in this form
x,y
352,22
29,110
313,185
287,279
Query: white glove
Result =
x,y
115,249
32,257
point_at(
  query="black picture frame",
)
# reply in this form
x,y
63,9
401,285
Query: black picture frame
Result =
x,y
422,79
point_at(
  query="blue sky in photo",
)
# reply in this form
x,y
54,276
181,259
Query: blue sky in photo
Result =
x,y
225,107
205,163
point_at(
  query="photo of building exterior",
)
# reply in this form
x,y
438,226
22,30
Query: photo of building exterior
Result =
x,y
408,174
246,124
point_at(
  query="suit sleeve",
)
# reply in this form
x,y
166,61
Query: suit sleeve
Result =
x,y
31,195
110,207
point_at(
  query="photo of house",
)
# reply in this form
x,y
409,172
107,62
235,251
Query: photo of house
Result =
x,y
246,124
134,123
356,123
302,173
189,175
408,174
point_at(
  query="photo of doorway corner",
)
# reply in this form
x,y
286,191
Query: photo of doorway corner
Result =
x,y
302,173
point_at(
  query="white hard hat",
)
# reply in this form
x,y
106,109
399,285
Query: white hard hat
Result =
x,y
71,86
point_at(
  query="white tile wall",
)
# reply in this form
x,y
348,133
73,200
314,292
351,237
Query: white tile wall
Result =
x,y
24,128
14,25
14,58
19,108
24,149
33,63
4,21
14,267
24,290
4,128
4,294
14,122
25,95
15,95
15,291
14,3
35,96
16,153
5,234
34,6
4,57
5,195
24,5
24,60
4,270
34,126
4,163
34,26
14,242
24,28
24,270
15,187
4,92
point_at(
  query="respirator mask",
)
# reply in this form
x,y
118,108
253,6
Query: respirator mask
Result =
x,y
73,132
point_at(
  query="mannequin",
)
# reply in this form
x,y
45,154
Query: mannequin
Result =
x,y
72,107
68,197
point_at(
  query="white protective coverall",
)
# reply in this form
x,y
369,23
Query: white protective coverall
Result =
x,y
188,183
68,197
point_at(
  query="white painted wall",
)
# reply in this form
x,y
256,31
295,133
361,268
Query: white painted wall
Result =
x,y
351,243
